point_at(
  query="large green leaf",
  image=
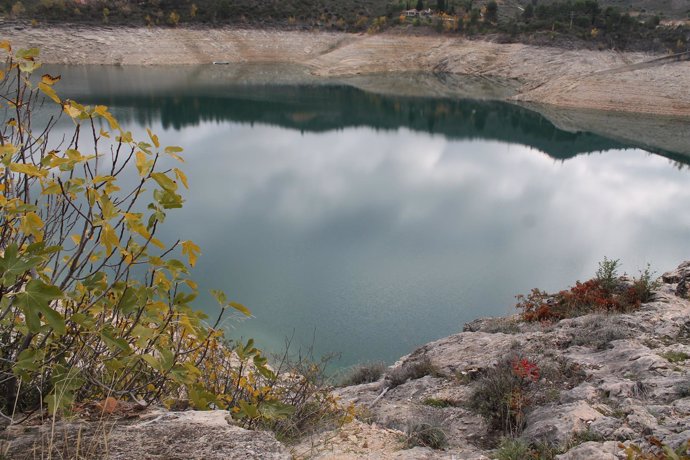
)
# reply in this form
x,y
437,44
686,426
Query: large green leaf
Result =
x,y
200,398
129,301
183,298
167,199
40,249
12,264
143,334
164,181
220,297
115,343
272,410
153,362
96,281
167,358
248,410
241,308
222,300
28,360
35,300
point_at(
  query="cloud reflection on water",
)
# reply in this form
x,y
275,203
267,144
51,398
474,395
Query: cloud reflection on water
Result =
x,y
382,240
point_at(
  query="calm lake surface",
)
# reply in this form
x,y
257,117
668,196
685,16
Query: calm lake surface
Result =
x,y
368,224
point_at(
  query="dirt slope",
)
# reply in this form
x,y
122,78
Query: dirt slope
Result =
x,y
566,78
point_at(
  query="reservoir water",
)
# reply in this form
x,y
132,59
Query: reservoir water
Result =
x,y
367,224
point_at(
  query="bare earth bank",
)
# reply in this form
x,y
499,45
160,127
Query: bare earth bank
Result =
x,y
582,79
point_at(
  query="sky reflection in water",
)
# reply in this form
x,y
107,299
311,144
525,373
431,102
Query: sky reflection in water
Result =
x,y
338,215
381,241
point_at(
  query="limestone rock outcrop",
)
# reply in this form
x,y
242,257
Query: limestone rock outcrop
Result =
x,y
153,435
609,381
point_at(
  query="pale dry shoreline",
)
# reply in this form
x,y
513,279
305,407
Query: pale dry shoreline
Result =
x,y
575,79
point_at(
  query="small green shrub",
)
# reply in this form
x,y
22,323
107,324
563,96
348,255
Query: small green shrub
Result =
x,y
598,333
546,450
361,23
363,373
513,449
641,390
518,449
377,25
504,394
438,26
581,437
675,356
683,335
607,274
558,374
425,434
411,370
440,403
683,390
307,402
645,285
657,450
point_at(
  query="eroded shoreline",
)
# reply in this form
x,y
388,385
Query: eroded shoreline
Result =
x,y
576,79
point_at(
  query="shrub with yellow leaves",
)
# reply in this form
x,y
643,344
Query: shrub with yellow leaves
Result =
x,y
92,304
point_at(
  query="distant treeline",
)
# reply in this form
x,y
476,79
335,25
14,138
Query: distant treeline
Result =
x,y
563,23
588,21
348,14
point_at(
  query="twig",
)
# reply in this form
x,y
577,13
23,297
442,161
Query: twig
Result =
x,y
148,422
385,390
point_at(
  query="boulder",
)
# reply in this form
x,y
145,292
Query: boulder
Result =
x,y
592,450
556,425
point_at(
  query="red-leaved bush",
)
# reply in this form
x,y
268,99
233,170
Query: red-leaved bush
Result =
x,y
583,298
525,369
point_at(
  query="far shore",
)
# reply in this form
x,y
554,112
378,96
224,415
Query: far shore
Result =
x,y
631,82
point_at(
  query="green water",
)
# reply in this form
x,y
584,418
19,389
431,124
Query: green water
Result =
x,y
367,224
